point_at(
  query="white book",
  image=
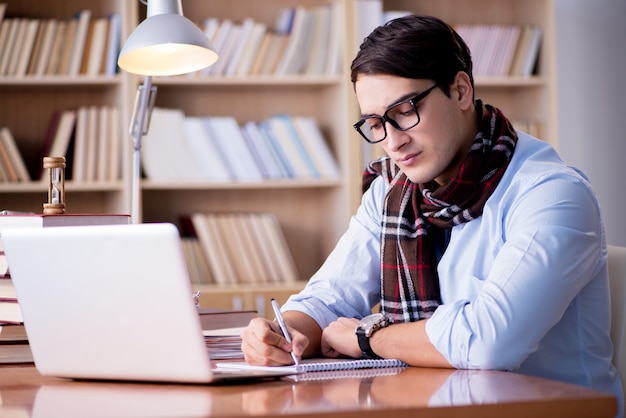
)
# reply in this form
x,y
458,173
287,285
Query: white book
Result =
x,y
46,46
239,46
288,145
11,26
335,43
115,161
264,150
113,44
79,165
28,44
165,154
298,47
227,51
63,134
532,53
104,143
316,62
213,249
200,143
91,147
284,162
369,17
251,49
18,44
78,46
222,36
317,146
97,46
225,130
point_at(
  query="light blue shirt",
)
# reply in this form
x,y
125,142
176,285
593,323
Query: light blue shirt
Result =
x,y
524,287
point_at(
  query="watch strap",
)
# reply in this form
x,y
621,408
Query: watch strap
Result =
x,y
364,345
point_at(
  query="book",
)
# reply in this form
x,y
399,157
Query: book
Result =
x,y
42,27
204,151
318,365
6,165
251,49
112,44
16,353
9,32
83,19
316,146
10,312
13,334
67,47
18,43
95,49
56,49
62,135
26,47
19,220
298,47
17,160
216,319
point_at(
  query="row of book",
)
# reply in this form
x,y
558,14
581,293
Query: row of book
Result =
x,y
502,50
497,50
305,40
218,149
237,248
88,136
81,45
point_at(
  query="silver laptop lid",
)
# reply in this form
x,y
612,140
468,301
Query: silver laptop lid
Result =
x,y
108,302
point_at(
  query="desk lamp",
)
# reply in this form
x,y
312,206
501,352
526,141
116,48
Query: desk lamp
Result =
x,y
165,43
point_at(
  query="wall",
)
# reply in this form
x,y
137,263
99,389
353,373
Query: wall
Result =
x,y
591,93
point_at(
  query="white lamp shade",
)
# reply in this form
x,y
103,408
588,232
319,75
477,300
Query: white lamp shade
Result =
x,y
166,44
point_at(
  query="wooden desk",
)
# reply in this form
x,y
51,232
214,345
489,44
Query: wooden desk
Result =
x,y
410,393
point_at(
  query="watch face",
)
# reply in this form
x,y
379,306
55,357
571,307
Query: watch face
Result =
x,y
371,320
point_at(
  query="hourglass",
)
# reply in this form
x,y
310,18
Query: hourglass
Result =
x,y
56,185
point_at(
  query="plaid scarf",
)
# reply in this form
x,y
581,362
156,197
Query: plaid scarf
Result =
x,y
409,281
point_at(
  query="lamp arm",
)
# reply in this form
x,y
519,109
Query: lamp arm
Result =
x,y
139,124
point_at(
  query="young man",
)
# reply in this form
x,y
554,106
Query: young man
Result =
x,y
484,250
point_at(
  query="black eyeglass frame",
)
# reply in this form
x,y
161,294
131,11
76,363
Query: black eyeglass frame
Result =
x,y
385,117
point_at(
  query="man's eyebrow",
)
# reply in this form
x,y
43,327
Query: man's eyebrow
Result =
x,y
400,99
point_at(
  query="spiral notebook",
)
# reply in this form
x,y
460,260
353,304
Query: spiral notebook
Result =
x,y
318,365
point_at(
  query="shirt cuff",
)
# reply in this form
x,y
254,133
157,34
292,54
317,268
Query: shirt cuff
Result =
x,y
448,330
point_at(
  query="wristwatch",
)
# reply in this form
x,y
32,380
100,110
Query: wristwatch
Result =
x,y
364,330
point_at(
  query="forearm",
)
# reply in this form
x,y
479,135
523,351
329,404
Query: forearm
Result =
x,y
408,342
309,328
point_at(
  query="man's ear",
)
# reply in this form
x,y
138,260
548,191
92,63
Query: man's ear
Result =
x,y
463,85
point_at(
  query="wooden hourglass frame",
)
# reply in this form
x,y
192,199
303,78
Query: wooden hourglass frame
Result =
x,y
56,185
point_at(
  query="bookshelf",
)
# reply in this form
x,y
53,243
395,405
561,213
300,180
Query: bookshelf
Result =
x,y
313,213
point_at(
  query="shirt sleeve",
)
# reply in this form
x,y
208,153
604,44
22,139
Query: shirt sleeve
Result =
x,y
550,246
348,283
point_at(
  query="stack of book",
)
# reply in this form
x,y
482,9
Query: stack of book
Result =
x,y
237,248
217,149
81,45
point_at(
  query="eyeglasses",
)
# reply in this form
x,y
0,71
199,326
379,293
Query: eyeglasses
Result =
x,y
402,116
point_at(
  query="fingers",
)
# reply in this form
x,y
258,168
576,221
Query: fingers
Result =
x,y
263,344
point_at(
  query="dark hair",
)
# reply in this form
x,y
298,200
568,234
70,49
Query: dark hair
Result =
x,y
419,47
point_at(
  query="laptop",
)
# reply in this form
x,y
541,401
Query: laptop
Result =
x,y
111,303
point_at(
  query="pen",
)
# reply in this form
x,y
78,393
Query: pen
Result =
x,y
283,327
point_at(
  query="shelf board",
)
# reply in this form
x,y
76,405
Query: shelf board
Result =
x,y
42,187
60,81
268,80
267,184
521,82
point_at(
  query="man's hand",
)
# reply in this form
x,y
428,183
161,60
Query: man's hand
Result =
x,y
339,339
263,343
